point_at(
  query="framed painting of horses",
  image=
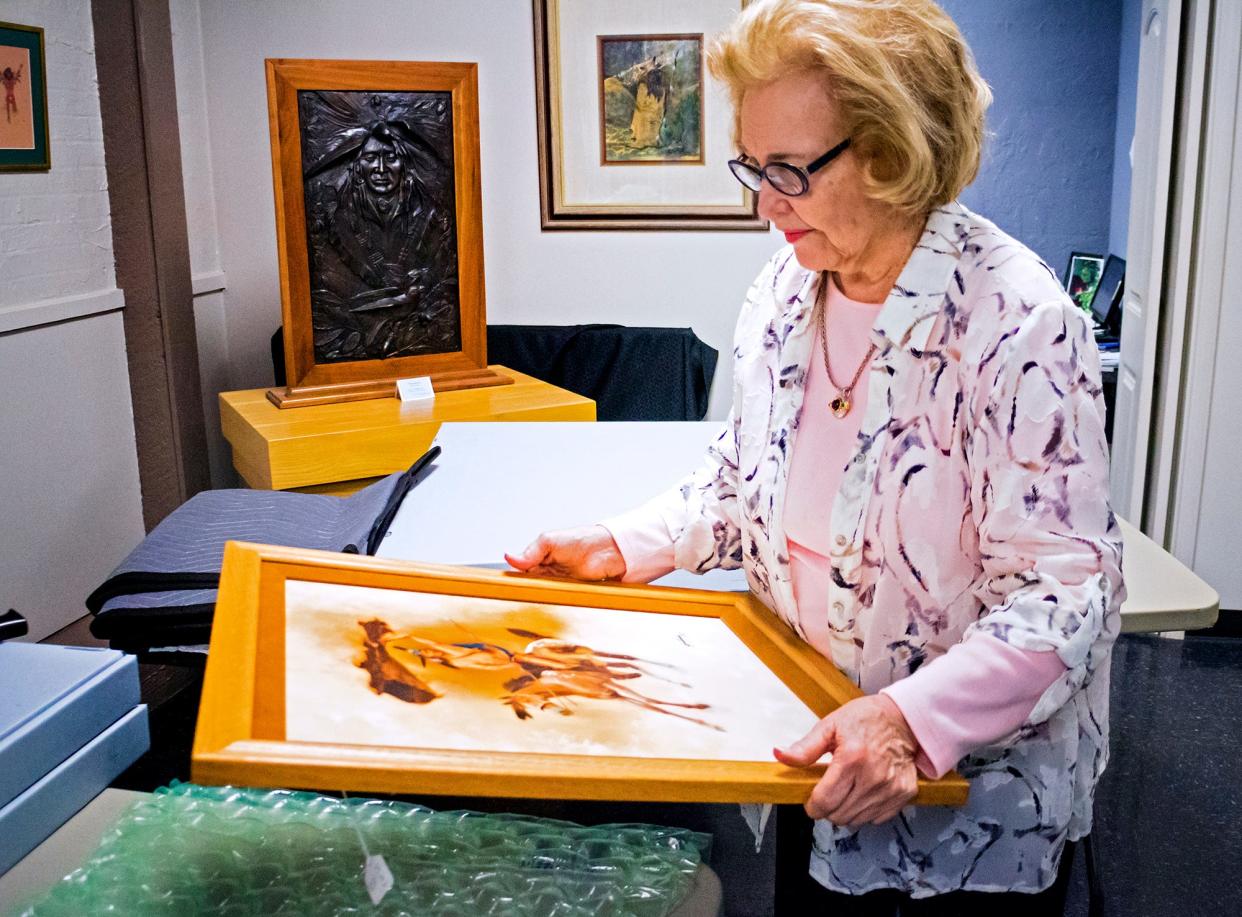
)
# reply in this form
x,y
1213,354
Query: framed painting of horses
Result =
x,y
340,672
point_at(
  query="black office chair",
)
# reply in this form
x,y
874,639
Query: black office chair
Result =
x,y
630,373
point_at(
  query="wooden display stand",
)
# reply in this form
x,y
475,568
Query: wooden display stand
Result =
x,y
337,448
316,375
308,395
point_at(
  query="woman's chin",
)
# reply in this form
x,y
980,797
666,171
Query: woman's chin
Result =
x,y
810,256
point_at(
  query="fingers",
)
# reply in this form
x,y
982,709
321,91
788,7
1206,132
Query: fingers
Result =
x,y
871,775
811,747
587,553
532,555
877,803
832,791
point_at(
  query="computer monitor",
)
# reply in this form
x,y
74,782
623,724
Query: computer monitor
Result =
x,y
1108,292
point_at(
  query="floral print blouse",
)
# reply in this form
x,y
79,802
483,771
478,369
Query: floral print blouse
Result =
x,y
984,400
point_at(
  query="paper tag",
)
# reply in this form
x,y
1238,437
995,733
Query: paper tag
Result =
x,y
416,389
378,878
756,816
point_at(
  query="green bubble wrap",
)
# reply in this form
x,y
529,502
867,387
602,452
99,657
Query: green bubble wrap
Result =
x,y
227,851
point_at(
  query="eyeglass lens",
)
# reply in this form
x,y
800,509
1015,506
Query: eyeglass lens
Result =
x,y
781,176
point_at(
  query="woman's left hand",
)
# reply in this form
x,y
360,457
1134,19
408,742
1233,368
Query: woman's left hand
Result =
x,y
871,776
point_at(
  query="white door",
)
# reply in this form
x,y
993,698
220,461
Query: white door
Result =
x,y
1207,501
1149,206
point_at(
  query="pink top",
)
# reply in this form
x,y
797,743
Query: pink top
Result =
x,y
978,692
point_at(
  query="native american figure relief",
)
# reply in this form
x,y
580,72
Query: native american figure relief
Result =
x,y
378,172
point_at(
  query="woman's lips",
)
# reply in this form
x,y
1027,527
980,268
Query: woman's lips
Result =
x,y
794,235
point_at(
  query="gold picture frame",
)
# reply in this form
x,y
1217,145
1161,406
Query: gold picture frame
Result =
x,y
581,185
263,722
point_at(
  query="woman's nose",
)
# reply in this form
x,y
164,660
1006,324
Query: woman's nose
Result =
x,y
771,202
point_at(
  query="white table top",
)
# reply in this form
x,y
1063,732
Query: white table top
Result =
x,y
498,485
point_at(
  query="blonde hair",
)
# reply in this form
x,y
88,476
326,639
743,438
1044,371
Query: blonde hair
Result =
x,y
903,77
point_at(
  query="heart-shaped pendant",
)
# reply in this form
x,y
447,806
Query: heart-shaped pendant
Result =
x,y
840,406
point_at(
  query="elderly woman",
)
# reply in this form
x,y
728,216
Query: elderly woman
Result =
x,y
914,475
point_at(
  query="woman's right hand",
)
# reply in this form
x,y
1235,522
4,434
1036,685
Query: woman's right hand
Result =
x,y
586,553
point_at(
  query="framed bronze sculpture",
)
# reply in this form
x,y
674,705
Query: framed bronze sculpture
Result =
x,y
338,672
379,227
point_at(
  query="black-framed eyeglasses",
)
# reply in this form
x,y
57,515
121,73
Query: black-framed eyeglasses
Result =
x,y
788,179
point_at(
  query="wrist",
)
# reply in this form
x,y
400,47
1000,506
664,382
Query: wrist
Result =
x,y
897,719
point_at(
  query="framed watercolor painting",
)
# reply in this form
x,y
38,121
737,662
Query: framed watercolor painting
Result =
x,y
379,227
650,99
338,672
24,145
1082,276
633,132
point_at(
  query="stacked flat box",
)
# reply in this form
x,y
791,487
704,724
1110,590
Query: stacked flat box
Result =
x,y
70,722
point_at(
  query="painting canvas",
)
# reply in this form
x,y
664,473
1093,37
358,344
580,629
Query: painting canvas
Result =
x,y
651,98
379,225
378,174
1082,277
374,666
23,127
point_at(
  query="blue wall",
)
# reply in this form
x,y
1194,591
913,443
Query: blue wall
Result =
x,y
1127,97
1047,175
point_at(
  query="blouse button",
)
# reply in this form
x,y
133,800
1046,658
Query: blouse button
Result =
x,y
841,541
838,607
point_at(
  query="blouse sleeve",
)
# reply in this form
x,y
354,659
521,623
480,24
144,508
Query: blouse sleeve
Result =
x,y
1038,459
644,542
976,694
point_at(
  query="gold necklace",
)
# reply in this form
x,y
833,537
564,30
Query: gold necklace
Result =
x,y
840,405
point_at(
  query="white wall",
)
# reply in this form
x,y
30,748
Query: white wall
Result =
x,y
70,507
695,279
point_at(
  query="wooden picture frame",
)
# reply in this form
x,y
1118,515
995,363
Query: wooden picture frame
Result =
x,y
242,735
379,227
582,187
24,144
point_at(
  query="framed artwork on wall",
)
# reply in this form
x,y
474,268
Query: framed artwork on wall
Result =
x,y
633,132
1082,276
339,672
24,145
379,227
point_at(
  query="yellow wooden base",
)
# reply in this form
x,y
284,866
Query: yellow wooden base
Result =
x,y
322,446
